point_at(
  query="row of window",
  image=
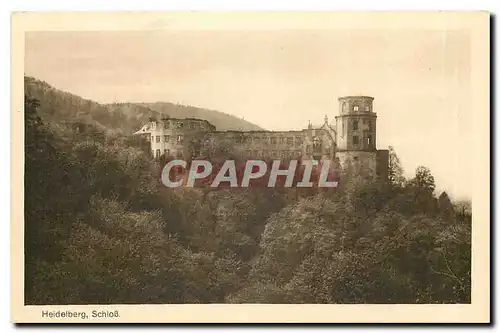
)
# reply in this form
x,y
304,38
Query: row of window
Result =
x,y
355,140
178,125
283,154
355,124
167,138
180,139
166,152
355,107
267,140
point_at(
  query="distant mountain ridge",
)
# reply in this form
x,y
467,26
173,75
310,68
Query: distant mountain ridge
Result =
x,y
57,106
221,120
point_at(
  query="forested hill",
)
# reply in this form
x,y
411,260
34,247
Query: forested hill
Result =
x,y
58,107
221,120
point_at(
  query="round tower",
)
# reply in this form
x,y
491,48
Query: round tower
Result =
x,y
357,132
356,124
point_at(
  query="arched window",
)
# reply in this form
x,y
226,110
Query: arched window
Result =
x,y
316,144
344,106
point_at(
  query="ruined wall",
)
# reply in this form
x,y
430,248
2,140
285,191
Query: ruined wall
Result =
x,y
177,137
383,164
284,145
359,162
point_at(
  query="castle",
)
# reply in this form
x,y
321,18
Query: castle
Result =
x,y
350,141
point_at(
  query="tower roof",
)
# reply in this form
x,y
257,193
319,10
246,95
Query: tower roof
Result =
x,y
356,96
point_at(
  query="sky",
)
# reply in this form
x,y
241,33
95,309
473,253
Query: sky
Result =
x,y
282,79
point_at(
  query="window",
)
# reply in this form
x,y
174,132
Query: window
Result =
x,y
355,139
167,152
238,139
180,138
283,154
309,149
153,125
355,108
369,139
298,153
249,153
167,138
152,138
354,125
316,144
166,124
274,153
157,138
256,139
298,140
282,141
273,140
157,153
179,124
344,106
367,108
192,125
289,140
370,125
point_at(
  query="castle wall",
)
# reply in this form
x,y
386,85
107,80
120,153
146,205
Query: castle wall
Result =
x,y
176,137
383,164
358,162
307,143
352,142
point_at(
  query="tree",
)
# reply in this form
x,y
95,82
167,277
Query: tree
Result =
x,y
446,209
47,198
423,180
396,176
100,228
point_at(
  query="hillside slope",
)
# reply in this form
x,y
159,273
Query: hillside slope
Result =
x,y
58,107
222,121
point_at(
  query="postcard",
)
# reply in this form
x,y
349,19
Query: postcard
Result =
x,y
250,167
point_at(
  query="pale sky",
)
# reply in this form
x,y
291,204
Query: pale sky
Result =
x,y
282,79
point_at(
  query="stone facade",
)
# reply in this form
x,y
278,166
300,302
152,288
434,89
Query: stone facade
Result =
x,y
175,137
351,141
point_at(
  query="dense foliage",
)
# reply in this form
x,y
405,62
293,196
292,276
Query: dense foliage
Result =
x,y
100,228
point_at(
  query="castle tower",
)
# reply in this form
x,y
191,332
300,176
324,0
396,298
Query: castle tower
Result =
x,y
357,133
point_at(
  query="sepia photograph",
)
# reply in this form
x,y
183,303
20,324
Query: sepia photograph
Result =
x,y
314,160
